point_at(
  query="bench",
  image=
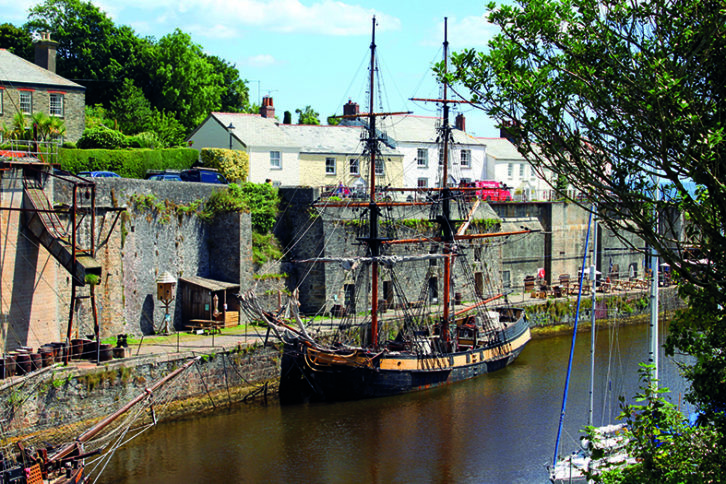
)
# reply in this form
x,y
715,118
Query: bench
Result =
x,y
207,325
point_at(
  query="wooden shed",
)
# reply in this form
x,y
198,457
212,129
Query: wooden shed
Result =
x,y
207,303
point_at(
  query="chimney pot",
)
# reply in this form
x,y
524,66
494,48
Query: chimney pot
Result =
x,y
267,110
460,122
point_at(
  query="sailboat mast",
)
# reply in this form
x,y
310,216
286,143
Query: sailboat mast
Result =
x,y
446,194
374,243
593,280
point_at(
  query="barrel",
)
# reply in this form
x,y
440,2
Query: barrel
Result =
x,y
60,350
46,355
10,365
36,361
78,348
106,353
23,363
90,350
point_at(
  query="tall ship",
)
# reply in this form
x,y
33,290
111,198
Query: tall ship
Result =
x,y
443,325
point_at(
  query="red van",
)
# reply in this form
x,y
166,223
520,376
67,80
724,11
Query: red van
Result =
x,y
491,191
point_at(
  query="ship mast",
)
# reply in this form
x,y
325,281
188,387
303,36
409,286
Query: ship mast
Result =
x,y
373,242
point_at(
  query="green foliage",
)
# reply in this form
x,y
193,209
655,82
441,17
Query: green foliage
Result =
x,y
233,164
666,448
619,98
92,279
17,41
127,163
265,248
103,138
260,200
307,116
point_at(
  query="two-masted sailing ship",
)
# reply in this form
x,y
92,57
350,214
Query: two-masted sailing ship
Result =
x,y
407,339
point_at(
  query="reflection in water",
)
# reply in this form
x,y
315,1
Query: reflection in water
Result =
x,y
497,428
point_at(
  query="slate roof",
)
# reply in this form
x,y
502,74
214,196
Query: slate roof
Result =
x,y
15,70
329,139
256,131
422,129
501,149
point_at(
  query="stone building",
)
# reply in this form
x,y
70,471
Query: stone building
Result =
x,y
30,88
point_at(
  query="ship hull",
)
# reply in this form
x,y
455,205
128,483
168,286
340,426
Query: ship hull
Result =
x,y
310,375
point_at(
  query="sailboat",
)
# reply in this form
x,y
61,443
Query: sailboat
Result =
x,y
605,447
35,461
408,339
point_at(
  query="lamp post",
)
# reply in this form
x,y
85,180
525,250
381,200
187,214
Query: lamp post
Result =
x,y
229,129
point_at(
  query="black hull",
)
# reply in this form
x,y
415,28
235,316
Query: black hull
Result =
x,y
301,381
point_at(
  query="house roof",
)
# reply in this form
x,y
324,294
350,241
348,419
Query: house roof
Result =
x,y
16,70
254,130
329,139
209,284
501,149
422,129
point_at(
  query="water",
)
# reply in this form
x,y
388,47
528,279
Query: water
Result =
x,y
499,428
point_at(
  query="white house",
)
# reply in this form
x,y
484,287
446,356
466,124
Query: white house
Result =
x,y
273,154
506,165
417,138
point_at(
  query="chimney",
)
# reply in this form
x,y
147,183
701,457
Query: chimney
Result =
x,y
45,52
350,108
460,122
267,110
508,130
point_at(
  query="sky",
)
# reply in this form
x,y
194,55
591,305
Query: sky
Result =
x,y
316,52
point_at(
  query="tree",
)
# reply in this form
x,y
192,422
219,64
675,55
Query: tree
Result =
x,y
235,98
131,109
307,116
620,98
91,49
16,40
183,81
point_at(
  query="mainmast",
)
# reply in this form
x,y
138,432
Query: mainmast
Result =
x,y
373,242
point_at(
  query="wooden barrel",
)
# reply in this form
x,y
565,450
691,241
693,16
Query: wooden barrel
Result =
x,y
90,350
46,355
23,363
60,350
10,365
78,348
106,353
36,361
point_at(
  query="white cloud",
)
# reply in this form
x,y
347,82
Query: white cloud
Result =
x,y
218,31
261,60
326,17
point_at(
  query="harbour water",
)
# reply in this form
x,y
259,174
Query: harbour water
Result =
x,y
499,428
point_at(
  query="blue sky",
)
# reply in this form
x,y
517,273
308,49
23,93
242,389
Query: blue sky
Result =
x,y
315,52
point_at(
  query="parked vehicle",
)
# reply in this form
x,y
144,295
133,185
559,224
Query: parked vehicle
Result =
x,y
165,177
99,174
204,175
491,191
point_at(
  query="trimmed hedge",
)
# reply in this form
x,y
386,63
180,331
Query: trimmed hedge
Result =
x,y
129,163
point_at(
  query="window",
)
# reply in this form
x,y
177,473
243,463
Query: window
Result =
x,y
441,157
531,171
379,166
422,158
466,158
56,104
506,279
26,102
330,166
275,162
510,169
521,170
354,167
422,183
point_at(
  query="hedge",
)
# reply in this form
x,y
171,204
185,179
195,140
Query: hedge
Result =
x,y
129,163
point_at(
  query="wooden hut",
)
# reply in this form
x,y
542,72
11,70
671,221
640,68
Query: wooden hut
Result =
x,y
208,304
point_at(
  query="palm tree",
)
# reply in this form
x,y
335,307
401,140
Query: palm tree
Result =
x,y
20,127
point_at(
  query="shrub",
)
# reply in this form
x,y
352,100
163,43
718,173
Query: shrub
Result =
x,y
259,199
102,137
233,164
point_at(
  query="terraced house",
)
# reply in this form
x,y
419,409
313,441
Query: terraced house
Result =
x,y
29,88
